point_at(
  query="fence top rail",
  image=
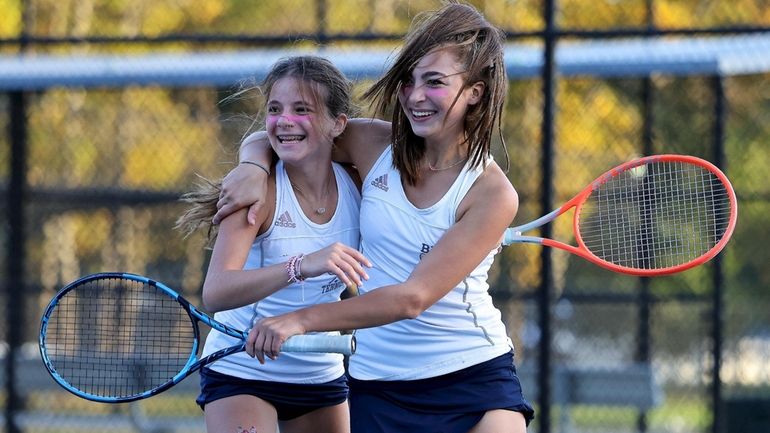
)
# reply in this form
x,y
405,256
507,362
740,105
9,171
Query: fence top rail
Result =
x,y
633,57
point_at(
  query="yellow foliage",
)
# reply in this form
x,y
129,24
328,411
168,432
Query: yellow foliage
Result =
x,y
674,13
601,13
163,18
10,18
207,12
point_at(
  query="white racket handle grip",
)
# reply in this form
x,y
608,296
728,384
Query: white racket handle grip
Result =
x,y
344,344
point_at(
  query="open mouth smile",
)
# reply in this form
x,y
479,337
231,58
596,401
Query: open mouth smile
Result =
x,y
290,138
422,114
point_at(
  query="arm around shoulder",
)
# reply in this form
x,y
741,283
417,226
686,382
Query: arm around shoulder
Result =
x,y
362,142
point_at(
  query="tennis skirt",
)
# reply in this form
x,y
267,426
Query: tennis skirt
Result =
x,y
291,400
452,403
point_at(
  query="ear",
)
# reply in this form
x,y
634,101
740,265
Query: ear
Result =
x,y
339,125
476,90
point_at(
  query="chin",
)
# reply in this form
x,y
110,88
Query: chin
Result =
x,y
422,131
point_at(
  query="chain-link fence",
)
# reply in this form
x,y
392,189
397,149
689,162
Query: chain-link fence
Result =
x,y
95,159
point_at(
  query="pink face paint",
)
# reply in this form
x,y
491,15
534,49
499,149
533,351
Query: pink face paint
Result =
x,y
436,92
271,121
294,118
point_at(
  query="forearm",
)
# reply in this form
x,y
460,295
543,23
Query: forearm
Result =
x,y
228,289
382,306
256,148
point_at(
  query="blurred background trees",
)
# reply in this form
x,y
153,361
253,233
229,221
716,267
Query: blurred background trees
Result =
x,y
105,166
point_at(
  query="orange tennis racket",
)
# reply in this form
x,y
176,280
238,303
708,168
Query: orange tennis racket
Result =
x,y
655,215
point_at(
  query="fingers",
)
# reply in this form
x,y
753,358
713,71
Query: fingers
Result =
x,y
347,263
251,216
254,343
225,208
245,185
350,272
261,344
353,265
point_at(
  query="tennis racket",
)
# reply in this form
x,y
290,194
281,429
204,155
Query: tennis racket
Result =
x,y
117,337
655,215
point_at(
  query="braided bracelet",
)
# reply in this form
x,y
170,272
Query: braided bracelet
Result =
x,y
293,269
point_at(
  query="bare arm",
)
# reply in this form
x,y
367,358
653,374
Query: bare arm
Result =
x,y
485,213
229,286
246,184
361,144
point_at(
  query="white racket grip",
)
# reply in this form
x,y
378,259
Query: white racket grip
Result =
x,y
344,344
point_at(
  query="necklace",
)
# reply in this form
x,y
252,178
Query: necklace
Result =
x,y
454,164
318,210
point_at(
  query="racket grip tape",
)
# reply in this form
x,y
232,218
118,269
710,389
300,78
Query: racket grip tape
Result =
x,y
344,344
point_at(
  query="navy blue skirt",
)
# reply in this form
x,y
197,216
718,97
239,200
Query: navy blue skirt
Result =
x,y
290,400
452,403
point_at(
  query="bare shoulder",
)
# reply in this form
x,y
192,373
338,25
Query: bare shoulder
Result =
x,y
493,192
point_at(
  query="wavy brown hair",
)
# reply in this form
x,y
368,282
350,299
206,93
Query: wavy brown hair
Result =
x,y
328,88
479,47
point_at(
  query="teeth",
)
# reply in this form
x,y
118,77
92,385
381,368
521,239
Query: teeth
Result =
x,y
285,138
422,113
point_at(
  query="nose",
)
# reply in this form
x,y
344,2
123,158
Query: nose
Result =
x,y
284,121
416,93
412,93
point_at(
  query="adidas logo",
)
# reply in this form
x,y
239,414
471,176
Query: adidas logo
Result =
x,y
285,220
381,182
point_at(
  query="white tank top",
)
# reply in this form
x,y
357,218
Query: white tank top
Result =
x,y
460,330
291,233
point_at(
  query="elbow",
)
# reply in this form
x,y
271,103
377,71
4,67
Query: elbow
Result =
x,y
412,305
211,302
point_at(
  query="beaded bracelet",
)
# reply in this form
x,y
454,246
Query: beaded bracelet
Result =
x,y
248,161
293,269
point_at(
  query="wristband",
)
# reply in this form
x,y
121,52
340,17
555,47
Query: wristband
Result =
x,y
247,161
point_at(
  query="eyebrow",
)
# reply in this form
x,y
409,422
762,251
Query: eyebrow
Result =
x,y
433,74
298,102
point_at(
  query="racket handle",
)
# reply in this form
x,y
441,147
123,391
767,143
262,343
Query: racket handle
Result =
x,y
344,344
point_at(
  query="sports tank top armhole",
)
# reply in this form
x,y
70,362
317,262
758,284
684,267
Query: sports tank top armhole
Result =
x,y
467,178
345,183
382,160
280,180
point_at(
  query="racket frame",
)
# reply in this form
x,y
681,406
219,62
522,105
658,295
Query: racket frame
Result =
x,y
293,344
514,234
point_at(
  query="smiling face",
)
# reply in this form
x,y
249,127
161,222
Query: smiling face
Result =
x,y
429,97
297,122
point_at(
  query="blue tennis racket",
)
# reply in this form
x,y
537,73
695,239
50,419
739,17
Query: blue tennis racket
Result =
x,y
117,337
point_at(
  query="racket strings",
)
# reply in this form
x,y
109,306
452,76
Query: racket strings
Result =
x,y
113,337
655,216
